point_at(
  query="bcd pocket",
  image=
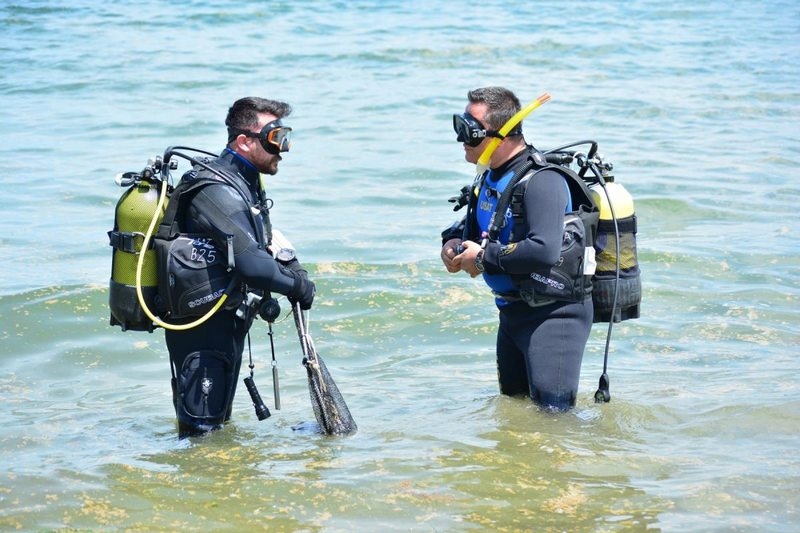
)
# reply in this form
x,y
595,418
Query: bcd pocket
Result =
x,y
193,275
566,280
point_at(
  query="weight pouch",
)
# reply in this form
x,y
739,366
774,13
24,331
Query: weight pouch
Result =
x,y
206,385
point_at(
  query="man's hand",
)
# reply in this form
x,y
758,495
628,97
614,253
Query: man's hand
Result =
x,y
449,255
303,291
466,259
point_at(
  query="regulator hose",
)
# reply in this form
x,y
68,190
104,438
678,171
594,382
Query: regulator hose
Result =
x,y
145,245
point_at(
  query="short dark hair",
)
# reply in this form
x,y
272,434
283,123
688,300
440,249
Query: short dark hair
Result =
x,y
502,104
243,114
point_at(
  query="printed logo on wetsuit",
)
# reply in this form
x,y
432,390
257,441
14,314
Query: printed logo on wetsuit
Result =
x,y
547,281
508,248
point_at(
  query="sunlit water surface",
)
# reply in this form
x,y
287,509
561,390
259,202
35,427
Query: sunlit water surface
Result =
x,y
697,106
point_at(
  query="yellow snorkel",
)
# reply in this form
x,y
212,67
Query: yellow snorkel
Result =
x,y
486,156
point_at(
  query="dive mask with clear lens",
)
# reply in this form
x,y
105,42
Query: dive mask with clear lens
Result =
x,y
274,137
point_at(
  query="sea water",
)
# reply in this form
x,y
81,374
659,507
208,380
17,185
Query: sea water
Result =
x,y
697,106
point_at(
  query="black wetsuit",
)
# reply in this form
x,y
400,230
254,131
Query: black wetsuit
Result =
x,y
206,359
539,349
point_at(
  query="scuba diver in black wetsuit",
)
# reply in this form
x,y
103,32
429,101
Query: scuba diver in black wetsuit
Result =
x,y
540,340
232,210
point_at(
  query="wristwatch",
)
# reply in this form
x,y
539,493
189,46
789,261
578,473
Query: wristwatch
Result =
x,y
284,255
479,262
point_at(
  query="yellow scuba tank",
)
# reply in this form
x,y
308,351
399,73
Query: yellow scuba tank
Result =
x,y
133,215
621,199
615,202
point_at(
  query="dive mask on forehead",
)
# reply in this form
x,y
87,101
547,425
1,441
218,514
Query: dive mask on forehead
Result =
x,y
472,133
274,137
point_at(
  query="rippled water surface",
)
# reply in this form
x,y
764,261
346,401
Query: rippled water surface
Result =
x,y
697,106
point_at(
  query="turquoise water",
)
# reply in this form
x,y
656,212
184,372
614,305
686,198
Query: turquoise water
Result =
x,y
697,106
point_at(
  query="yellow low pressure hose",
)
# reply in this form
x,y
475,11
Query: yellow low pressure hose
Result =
x,y
157,321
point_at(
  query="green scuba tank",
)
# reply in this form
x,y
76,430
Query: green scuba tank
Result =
x,y
629,291
133,216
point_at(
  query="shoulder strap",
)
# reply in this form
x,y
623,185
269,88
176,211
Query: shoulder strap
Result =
x,y
535,161
472,193
169,224
583,203
227,178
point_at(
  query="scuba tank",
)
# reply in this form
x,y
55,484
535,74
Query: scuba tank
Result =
x,y
616,205
142,257
615,241
616,283
134,213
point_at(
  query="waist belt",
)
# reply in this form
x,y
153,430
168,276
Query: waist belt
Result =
x,y
512,297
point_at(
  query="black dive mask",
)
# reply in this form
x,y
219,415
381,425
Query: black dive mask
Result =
x,y
471,132
274,137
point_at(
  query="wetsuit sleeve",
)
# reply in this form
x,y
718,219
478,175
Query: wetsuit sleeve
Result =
x,y
219,211
545,201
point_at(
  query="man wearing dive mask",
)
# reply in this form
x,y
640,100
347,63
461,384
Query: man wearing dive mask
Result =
x,y
274,138
540,341
232,210
472,133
